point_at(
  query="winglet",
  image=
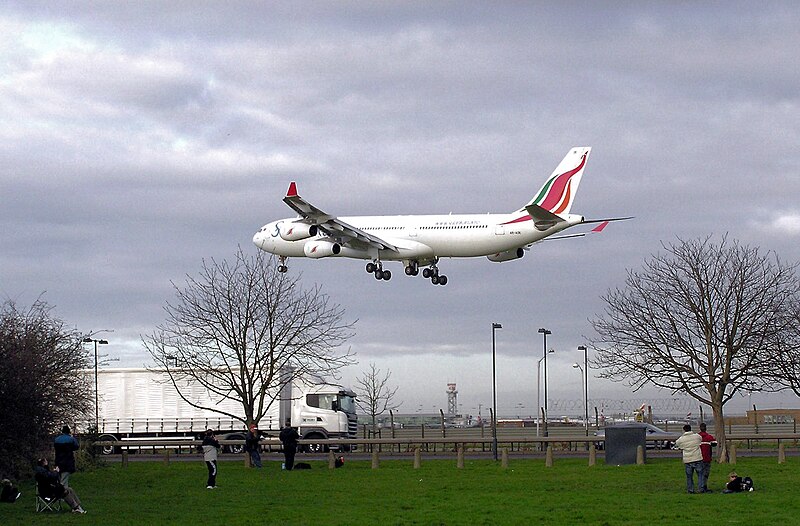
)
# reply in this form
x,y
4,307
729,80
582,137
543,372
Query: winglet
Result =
x,y
292,192
599,228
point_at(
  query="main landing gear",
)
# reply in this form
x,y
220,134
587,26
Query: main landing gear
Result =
x,y
432,272
377,270
411,269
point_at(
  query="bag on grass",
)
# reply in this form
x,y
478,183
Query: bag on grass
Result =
x,y
747,484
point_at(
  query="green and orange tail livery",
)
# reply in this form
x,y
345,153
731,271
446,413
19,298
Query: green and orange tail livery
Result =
x,y
558,192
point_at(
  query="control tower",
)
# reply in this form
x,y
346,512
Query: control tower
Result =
x,y
452,400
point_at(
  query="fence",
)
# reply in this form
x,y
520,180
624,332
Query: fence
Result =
x,y
460,446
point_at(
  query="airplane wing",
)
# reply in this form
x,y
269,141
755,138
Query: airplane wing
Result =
x,y
329,224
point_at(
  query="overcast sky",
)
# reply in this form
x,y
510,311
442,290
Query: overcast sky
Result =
x,y
138,138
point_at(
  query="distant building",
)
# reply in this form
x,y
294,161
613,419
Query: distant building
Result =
x,y
766,417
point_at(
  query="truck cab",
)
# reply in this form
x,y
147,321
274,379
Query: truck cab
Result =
x,y
325,411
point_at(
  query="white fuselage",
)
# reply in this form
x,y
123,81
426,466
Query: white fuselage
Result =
x,y
425,237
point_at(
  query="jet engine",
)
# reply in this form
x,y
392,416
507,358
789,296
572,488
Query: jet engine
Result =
x,y
321,249
296,231
508,255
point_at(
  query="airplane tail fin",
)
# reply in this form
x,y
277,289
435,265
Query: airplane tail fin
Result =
x,y
558,192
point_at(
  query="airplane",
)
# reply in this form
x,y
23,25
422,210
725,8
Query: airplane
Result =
x,y
422,240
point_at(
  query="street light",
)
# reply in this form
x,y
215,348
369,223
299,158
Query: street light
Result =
x,y
96,402
544,332
585,387
495,326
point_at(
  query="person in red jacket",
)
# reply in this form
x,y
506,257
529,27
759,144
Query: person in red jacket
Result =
x,y
705,447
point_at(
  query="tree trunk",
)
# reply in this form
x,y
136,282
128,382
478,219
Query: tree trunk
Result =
x,y
719,433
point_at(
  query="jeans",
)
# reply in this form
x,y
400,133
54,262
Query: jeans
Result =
x,y
706,474
691,467
255,458
212,473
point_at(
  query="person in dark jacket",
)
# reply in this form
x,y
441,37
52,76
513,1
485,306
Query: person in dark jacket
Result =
x,y
210,447
50,488
9,493
65,445
289,438
252,445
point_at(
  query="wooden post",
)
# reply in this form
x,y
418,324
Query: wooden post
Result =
x,y
460,461
639,456
781,453
732,453
548,457
331,460
125,458
417,457
247,462
166,457
504,458
375,459
592,455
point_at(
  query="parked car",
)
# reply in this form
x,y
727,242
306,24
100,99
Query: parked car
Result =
x,y
665,439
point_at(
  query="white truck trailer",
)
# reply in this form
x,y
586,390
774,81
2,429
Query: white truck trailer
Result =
x,y
140,403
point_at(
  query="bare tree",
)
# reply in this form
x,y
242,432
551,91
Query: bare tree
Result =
x,y
42,386
375,396
243,330
705,319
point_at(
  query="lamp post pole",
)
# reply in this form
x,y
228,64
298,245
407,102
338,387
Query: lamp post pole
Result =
x,y
538,402
544,332
495,326
96,398
585,387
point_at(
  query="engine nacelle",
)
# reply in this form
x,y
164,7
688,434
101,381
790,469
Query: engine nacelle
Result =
x,y
321,249
508,255
296,231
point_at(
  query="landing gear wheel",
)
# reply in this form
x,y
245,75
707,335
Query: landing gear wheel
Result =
x,y
387,275
442,280
371,267
409,270
282,269
435,280
378,273
426,273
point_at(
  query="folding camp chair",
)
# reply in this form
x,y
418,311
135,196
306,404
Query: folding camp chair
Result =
x,y
47,503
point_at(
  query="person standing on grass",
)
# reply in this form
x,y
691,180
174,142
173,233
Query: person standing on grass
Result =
x,y
705,448
252,445
689,443
289,438
65,445
210,447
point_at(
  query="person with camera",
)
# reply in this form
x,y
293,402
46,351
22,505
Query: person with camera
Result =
x,y
210,447
289,438
49,487
65,445
705,448
252,444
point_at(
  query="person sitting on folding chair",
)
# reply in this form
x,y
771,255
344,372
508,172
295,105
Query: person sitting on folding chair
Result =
x,y
49,489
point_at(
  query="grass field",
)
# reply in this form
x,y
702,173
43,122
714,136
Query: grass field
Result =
x,y
437,493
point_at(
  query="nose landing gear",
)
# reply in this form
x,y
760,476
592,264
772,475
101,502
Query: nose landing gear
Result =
x,y
282,268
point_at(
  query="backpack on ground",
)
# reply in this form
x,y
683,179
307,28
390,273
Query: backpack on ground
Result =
x,y
747,484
